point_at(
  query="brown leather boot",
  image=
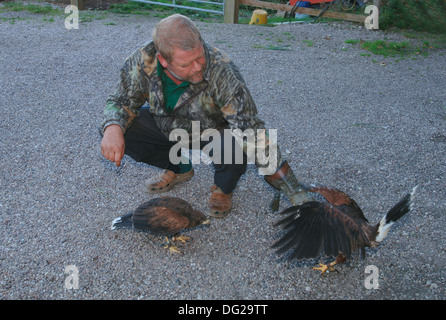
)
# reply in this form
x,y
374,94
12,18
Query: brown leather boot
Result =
x,y
167,181
220,204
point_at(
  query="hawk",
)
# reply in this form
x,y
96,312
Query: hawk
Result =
x,y
165,216
335,225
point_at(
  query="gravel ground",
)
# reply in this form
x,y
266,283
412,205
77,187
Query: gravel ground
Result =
x,y
374,127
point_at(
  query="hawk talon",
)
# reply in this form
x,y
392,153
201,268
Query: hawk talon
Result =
x,y
182,239
172,250
324,267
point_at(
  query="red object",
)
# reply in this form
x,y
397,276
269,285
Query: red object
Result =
x,y
293,2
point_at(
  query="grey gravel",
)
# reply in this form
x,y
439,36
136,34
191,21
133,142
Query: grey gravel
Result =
x,y
372,126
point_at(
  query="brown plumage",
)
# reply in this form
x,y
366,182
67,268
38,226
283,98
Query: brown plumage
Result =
x,y
335,225
165,216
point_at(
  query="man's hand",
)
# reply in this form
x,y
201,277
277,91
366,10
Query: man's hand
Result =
x,y
113,144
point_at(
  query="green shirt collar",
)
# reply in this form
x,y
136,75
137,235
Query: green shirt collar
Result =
x,y
171,91
165,78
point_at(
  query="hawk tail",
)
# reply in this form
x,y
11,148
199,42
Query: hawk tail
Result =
x,y
123,222
403,207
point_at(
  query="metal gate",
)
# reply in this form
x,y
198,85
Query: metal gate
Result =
x,y
175,5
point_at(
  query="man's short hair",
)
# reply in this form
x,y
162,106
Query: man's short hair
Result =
x,y
175,32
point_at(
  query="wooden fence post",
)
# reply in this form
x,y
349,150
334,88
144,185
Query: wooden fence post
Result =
x,y
78,3
231,11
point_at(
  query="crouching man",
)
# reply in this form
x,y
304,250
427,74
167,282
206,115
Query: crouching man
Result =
x,y
175,82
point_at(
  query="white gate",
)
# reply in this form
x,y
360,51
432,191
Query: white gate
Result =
x,y
175,5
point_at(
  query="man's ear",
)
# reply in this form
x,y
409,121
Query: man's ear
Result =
x,y
162,60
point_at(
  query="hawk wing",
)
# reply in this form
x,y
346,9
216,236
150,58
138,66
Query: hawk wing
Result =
x,y
315,226
159,219
340,200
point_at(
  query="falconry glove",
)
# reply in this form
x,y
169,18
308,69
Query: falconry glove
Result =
x,y
285,181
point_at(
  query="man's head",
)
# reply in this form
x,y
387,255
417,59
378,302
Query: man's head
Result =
x,y
180,48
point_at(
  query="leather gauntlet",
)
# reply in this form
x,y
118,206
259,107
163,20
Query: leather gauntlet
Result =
x,y
285,181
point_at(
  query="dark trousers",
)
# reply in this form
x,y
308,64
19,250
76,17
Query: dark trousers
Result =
x,y
144,142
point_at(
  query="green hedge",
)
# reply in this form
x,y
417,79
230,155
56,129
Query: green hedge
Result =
x,y
419,15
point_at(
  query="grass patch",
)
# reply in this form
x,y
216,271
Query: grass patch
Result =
x,y
352,41
309,43
388,49
33,8
281,47
271,47
385,48
130,8
431,41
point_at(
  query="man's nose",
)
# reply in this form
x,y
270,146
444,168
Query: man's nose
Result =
x,y
197,66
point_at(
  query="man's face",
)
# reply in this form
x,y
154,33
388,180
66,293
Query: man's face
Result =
x,y
186,65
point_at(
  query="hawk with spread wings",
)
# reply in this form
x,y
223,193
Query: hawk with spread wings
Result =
x,y
335,225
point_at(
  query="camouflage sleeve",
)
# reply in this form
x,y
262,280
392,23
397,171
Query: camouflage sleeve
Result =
x,y
240,111
122,106
233,97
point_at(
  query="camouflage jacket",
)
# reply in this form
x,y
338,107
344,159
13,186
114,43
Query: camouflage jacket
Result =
x,y
222,99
